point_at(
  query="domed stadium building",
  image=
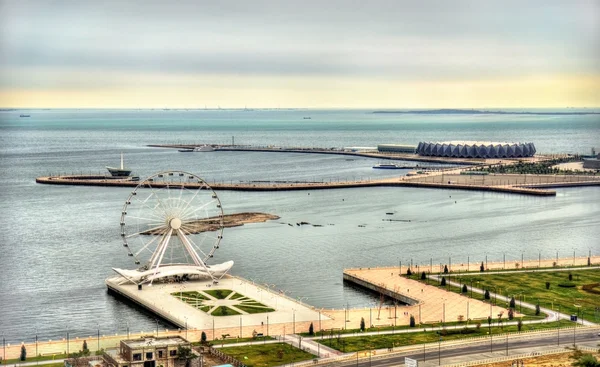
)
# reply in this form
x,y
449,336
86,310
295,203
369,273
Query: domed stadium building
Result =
x,y
476,149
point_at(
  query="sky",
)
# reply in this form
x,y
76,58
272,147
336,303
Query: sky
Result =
x,y
304,54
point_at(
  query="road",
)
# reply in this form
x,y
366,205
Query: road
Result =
x,y
482,350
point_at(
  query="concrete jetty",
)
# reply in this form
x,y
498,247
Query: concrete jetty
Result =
x,y
426,180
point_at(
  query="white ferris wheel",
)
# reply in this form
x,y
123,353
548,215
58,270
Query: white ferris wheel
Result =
x,y
171,226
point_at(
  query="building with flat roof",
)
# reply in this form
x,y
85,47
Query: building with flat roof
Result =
x,y
592,163
147,352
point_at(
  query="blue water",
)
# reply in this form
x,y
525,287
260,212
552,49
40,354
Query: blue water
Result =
x,y
59,243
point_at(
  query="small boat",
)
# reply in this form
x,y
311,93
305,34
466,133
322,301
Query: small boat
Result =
x,y
387,166
119,172
307,117
24,115
185,150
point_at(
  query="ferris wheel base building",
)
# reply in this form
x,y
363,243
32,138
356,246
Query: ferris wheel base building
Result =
x,y
476,149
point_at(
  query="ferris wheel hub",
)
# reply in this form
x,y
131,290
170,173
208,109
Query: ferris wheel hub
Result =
x,y
175,223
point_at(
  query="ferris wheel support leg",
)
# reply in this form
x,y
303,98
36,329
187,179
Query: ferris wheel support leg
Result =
x,y
193,254
166,240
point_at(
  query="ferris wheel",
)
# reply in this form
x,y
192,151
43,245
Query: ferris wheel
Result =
x,y
171,226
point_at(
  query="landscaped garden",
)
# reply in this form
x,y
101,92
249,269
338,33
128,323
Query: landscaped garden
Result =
x,y
209,301
267,355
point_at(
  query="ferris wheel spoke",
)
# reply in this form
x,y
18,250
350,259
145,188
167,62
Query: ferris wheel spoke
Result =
x,y
187,214
149,243
196,246
147,231
144,203
190,201
159,202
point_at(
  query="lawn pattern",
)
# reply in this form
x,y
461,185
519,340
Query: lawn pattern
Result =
x,y
222,302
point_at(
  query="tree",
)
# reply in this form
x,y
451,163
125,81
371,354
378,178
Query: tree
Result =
x,y
445,269
185,354
409,272
489,320
443,281
537,309
464,288
84,349
486,295
511,314
311,329
512,302
423,276
581,359
482,268
362,324
547,285
412,321
570,277
23,355
519,324
203,338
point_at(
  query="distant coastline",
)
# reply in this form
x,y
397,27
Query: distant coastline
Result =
x,y
452,111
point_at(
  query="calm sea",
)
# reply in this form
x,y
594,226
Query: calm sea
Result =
x,y
59,243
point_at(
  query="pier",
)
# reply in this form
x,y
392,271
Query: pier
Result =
x,y
536,185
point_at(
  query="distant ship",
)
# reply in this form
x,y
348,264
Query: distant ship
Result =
x,y
119,172
24,115
387,166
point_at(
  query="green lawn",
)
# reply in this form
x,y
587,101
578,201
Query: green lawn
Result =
x,y
224,311
219,293
358,343
257,340
267,355
533,288
250,309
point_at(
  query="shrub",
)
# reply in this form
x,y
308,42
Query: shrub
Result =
x,y
567,285
489,320
443,281
520,325
311,330
203,338
511,314
478,325
23,355
486,295
547,285
412,321
537,309
362,324
423,276
409,272
85,351
445,269
482,268
464,288
511,304
570,277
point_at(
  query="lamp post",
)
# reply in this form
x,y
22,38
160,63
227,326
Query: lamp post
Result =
x,y
98,339
127,322
294,329
36,342
539,259
156,327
